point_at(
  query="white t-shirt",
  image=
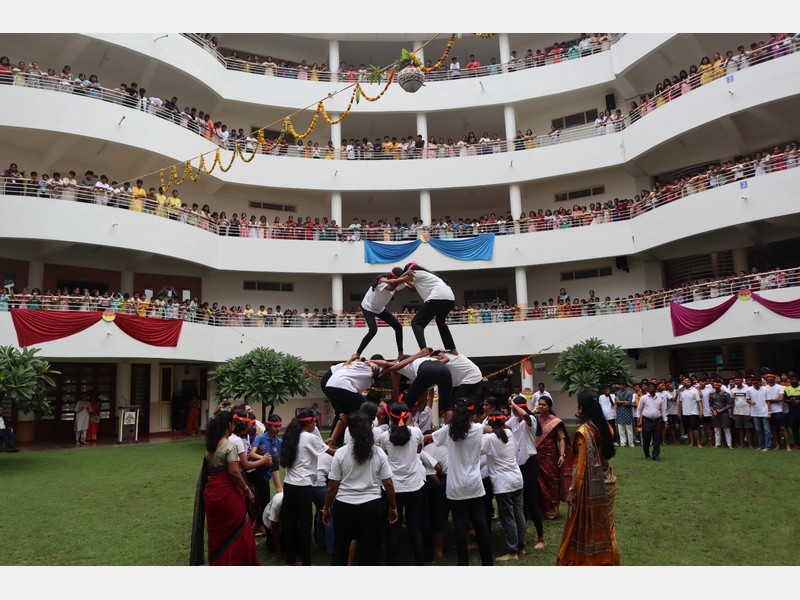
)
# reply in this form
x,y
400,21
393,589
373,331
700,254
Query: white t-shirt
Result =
x,y
462,370
324,462
772,393
524,438
408,473
502,462
304,469
410,370
428,462
375,301
439,453
608,406
355,377
689,400
740,405
272,512
423,419
359,482
242,444
704,394
431,287
671,399
463,473
759,396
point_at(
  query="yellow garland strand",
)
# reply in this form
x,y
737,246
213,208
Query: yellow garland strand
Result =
x,y
380,95
419,65
308,131
188,168
230,164
240,149
485,36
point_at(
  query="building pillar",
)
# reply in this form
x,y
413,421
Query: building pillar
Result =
x,y
425,207
333,59
526,376
336,137
510,120
505,51
515,202
419,50
35,275
126,282
422,128
521,281
337,294
740,260
336,208
751,358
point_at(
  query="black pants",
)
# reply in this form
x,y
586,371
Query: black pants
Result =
x,y
388,318
488,506
530,492
651,430
360,522
432,372
465,390
410,504
438,309
260,477
464,513
296,520
7,436
794,422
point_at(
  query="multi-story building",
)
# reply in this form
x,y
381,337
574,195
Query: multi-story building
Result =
x,y
656,216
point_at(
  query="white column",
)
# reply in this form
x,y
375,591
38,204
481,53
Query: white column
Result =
x,y
126,282
336,136
505,51
35,275
337,295
422,127
425,207
739,256
336,207
420,51
510,119
333,59
521,281
515,201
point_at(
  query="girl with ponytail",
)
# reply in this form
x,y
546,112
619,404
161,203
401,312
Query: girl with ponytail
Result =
x,y
462,437
507,484
402,444
438,299
374,304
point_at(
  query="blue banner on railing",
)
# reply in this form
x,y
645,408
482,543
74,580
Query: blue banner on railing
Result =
x,y
474,248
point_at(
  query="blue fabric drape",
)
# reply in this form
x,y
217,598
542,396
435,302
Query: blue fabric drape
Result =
x,y
475,248
378,252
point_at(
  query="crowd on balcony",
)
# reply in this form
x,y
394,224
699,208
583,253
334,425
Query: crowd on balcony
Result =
x,y
403,147
584,45
165,304
99,190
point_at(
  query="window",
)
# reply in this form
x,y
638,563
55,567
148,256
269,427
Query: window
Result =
x,y
487,296
582,193
268,286
581,118
269,206
586,273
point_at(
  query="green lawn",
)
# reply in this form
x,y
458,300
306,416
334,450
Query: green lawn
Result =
x,y
132,505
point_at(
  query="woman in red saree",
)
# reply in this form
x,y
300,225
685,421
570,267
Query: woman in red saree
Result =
x,y
551,446
589,533
94,420
220,498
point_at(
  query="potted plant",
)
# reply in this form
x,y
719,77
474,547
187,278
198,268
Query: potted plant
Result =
x,y
25,379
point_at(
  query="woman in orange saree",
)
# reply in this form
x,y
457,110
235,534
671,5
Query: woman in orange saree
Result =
x,y
589,533
551,446
193,417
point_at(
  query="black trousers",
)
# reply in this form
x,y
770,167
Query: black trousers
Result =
x,y
464,513
530,492
296,520
432,372
372,325
260,478
651,430
360,522
433,309
794,422
410,504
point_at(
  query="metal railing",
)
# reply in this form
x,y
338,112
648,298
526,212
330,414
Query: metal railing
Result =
x,y
550,56
213,314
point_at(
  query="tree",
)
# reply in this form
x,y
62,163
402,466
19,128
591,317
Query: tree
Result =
x,y
590,365
25,379
262,375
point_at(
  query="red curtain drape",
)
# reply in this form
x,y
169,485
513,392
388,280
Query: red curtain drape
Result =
x,y
156,332
687,320
37,326
790,309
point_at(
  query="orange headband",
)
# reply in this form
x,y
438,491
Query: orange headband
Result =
x,y
401,418
245,419
496,418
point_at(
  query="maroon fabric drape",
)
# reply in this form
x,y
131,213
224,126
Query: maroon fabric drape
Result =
x,y
790,309
156,332
36,326
687,320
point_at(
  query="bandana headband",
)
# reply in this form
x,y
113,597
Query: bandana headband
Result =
x,y
245,419
401,418
306,419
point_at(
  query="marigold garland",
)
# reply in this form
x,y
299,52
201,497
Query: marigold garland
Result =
x,y
437,66
485,36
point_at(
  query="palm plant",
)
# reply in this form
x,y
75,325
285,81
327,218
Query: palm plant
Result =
x,y
590,365
25,379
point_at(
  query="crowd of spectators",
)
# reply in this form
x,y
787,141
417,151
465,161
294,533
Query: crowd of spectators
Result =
x,y
166,305
412,146
98,190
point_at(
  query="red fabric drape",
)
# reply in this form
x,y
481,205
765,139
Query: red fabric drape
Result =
x,y
36,326
687,320
790,309
156,332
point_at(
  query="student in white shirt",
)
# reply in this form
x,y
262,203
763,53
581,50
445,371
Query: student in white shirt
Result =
x,y
464,490
374,306
423,372
466,375
690,409
608,402
780,432
524,429
345,386
438,300
759,411
357,473
299,452
402,445
507,484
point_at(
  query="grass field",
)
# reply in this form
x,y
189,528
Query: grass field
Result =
x,y
132,505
